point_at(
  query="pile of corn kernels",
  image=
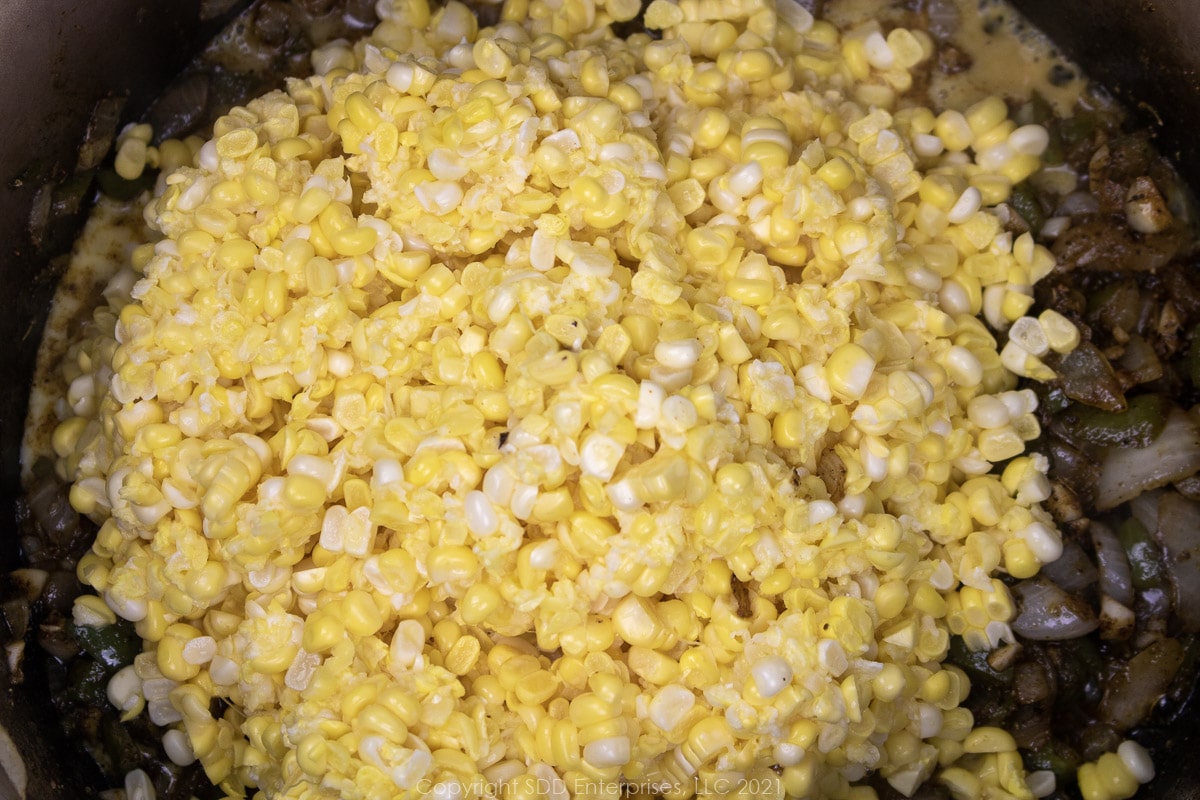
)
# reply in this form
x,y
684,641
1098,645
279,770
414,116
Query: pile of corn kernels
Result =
x,y
530,410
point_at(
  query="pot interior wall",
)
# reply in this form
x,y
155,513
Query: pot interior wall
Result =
x,y
1146,53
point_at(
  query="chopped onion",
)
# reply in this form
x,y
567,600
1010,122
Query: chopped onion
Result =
x,y
1112,564
1145,509
1127,472
1073,570
1050,614
1135,688
1077,204
1179,533
1117,621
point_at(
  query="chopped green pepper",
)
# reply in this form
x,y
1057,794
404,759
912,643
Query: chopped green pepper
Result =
x,y
118,188
1145,559
1077,128
1137,426
88,683
1057,756
976,665
1040,110
1085,375
1118,305
1024,200
114,646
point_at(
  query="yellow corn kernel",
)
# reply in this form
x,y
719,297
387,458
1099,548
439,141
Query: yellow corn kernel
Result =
x,y
463,655
789,428
312,755
707,739
379,719
1090,784
1019,560
311,203
750,291
354,241
303,493
237,143
836,173
360,615
989,740
960,782
322,631
986,114
953,128
451,563
423,467
171,662
848,371
1115,777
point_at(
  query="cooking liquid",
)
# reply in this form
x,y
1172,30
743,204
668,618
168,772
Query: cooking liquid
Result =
x,y
1008,56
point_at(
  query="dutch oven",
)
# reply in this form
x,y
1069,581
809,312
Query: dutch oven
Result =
x,y
59,58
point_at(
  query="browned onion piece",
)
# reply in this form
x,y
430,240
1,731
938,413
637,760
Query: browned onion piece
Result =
x,y
1112,564
1102,242
1050,614
1073,571
1134,689
1179,533
1127,472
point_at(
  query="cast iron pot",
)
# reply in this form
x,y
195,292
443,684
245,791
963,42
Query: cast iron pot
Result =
x,y
59,57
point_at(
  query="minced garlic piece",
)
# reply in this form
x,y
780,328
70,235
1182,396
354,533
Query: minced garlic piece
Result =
x,y
531,407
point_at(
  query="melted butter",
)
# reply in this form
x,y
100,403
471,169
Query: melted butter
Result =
x,y
1009,56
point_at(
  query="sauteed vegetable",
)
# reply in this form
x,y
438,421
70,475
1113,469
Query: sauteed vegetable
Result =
x,y
543,407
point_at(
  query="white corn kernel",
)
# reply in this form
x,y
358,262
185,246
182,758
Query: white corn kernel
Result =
x,y
438,197
611,752
600,455
650,402
480,514
953,298
965,207
993,307
821,510
745,179
624,495
124,689
1136,760
963,367
771,676
224,671
927,145
1028,333
1061,334
879,54
670,705
1044,542
178,748
832,657
679,354
1029,140
929,720
1041,783
138,786
200,650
